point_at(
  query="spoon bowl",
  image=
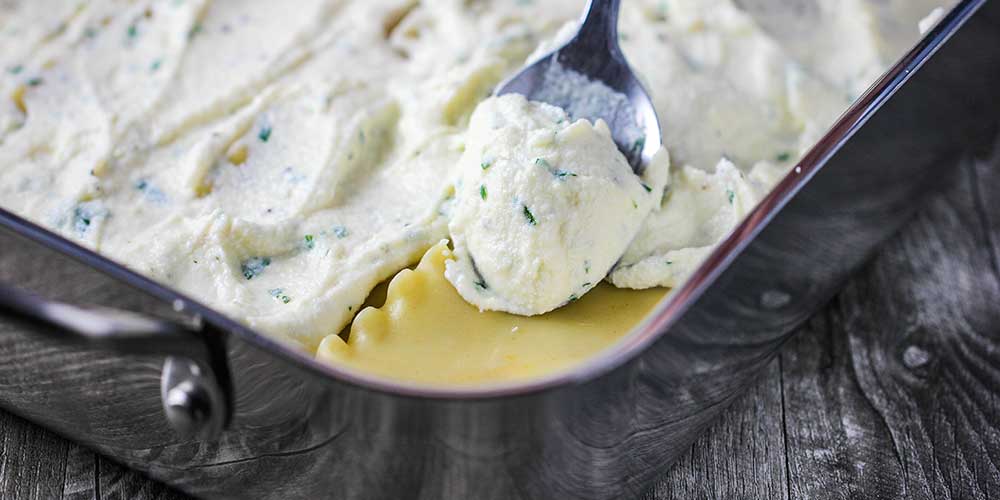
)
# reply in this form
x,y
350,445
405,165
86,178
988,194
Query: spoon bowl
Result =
x,y
590,78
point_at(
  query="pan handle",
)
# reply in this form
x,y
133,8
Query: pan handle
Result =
x,y
194,384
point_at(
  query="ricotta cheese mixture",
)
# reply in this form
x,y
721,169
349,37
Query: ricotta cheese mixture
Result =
x,y
544,206
278,163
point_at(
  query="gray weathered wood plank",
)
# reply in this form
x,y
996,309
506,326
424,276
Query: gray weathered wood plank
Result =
x,y
739,456
80,473
31,460
37,464
904,398
893,391
119,483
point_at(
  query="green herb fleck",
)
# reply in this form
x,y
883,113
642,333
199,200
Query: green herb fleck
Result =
x,y
156,65
279,293
481,284
573,298
587,284
586,266
485,164
783,156
36,81
310,242
86,213
133,31
265,133
340,232
194,31
638,146
529,216
361,136
558,173
81,219
151,192
482,191
663,10
16,69
730,194
670,262
646,187
254,266
635,205
90,32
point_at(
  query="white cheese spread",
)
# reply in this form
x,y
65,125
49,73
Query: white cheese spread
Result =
x,y
277,163
545,206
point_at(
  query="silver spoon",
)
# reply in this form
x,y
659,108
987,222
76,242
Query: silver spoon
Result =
x,y
590,78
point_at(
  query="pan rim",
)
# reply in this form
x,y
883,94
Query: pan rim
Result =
x,y
652,328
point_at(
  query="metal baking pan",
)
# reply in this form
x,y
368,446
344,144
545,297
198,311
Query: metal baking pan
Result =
x,y
195,399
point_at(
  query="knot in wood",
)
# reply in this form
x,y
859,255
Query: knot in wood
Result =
x,y
915,357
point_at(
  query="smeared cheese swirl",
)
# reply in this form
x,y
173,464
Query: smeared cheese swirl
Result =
x,y
278,163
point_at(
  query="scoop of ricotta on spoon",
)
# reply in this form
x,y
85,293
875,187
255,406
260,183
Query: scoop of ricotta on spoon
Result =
x,y
544,208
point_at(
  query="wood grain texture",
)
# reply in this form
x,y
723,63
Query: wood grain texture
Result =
x,y
31,460
740,456
892,391
37,464
79,481
117,482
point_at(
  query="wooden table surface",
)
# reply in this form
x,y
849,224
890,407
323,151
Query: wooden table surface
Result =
x,y
891,391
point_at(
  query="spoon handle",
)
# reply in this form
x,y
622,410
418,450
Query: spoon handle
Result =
x,y
600,24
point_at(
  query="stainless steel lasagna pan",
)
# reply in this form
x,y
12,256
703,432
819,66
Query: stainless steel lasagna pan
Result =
x,y
170,387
